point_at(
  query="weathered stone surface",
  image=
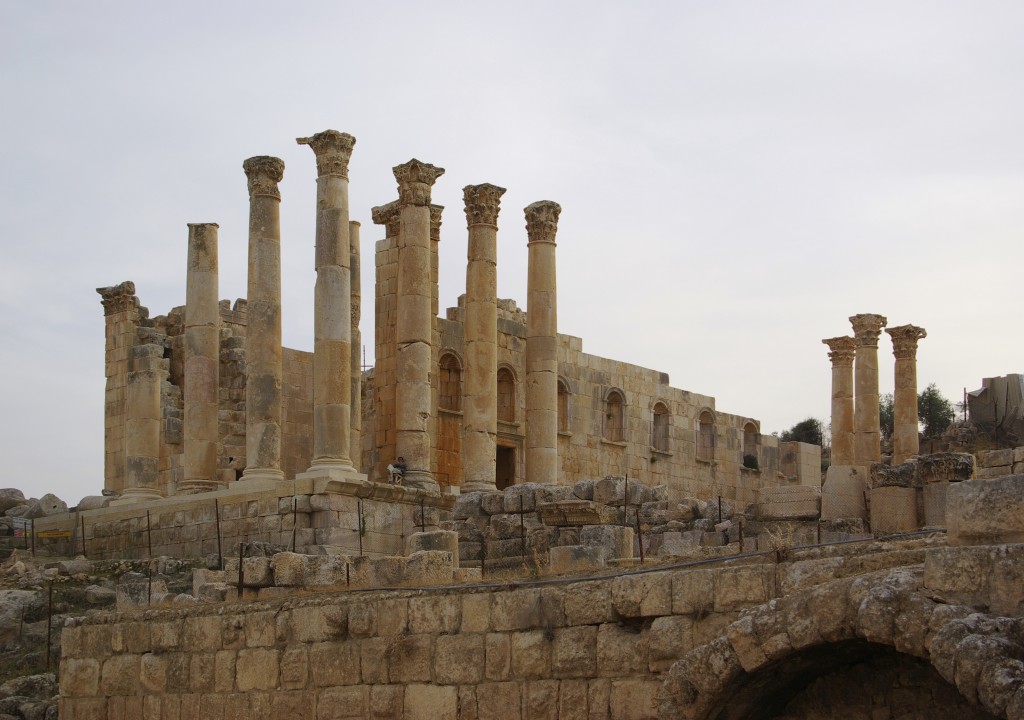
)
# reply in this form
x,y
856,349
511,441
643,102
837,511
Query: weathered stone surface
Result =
x,y
575,559
894,509
796,502
617,541
565,513
948,467
982,512
10,497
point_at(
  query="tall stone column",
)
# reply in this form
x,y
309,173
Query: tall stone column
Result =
x,y
356,392
263,363
122,314
480,380
905,439
202,360
415,323
841,352
142,426
867,440
332,323
541,344
385,346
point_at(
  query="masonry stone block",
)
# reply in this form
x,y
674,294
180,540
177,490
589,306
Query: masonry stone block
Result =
x,y
693,592
589,603
334,663
742,586
645,595
289,569
497,656
338,703
202,633
434,614
793,502
634,699
430,567
79,677
531,654
894,509
572,700
616,540
574,651
318,623
499,701
459,659
575,559
389,571
411,659
324,571
980,512
621,651
515,610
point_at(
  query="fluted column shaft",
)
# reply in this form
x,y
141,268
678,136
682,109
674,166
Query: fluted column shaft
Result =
x,y
841,354
356,363
867,441
905,438
480,380
201,361
142,425
541,344
414,323
332,322
263,359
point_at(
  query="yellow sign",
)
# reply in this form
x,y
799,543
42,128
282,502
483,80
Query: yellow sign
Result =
x,y
53,533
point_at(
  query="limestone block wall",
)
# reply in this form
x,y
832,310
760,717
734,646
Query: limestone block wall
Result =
x,y
999,463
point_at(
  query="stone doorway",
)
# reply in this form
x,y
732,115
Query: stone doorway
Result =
x,y
505,460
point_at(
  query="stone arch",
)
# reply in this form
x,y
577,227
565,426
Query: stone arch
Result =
x,y
614,419
563,405
751,441
506,394
706,435
774,651
449,381
661,426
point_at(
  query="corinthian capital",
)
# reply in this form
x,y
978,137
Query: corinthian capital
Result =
x,y
415,179
542,221
118,298
387,215
435,222
867,327
841,351
904,340
264,173
482,203
333,150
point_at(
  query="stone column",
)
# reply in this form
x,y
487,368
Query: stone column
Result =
x,y
263,364
122,313
332,322
415,325
480,380
356,364
541,344
867,438
202,360
385,348
142,427
905,439
841,354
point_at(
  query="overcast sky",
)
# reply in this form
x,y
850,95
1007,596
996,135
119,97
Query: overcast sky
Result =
x,y
736,179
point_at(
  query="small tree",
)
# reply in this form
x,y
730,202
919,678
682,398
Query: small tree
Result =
x,y
934,411
806,431
887,415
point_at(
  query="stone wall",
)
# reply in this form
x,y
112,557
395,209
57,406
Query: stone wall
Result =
x,y
998,463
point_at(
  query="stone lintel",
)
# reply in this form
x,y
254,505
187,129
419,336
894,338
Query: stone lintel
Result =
x,y
867,327
333,150
483,202
264,173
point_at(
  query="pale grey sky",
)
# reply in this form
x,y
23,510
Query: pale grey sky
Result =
x,y
736,178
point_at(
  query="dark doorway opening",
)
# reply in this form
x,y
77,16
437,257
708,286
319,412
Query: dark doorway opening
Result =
x,y
505,474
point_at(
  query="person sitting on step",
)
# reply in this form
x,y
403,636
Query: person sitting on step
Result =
x,y
396,471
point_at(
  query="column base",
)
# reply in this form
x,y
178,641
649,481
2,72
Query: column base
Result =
x,y
194,487
136,495
332,472
421,480
331,464
262,474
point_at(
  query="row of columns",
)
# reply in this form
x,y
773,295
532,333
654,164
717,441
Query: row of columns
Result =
x,y
856,430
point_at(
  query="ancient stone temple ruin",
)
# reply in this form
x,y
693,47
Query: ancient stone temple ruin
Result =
x,y
205,398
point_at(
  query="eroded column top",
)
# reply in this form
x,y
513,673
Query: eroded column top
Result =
x,y
388,216
867,327
482,204
542,221
333,150
415,178
118,298
264,173
904,340
841,350
435,222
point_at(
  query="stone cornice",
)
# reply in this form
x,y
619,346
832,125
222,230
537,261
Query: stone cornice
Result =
x,y
483,202
118,298
333,150
387,215
904,340
542,221
867,327
415,178
841,350
264,173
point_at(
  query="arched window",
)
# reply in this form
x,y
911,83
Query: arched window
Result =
x,y
706,436
614,416
506,395
659,427
450,388
563,406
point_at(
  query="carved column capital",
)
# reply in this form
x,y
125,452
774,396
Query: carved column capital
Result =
x,y
118,298
482,204
841,351
415,179
264,173
388,216
867,327
333,150
435,222
542,221
904,340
